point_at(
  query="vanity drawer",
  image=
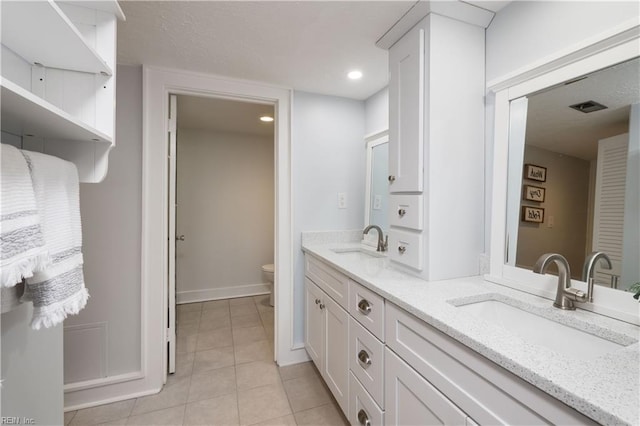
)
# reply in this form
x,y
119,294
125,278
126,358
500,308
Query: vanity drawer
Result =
x,y
412,400
406,248
485,391
406,211
334,283
367,308
362,407
366,360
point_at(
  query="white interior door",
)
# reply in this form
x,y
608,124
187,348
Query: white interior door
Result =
x,y
171,293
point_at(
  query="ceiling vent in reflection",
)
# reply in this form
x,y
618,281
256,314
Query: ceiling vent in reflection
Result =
x,y
587,107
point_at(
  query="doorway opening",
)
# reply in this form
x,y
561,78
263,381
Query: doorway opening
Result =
x,y
222,214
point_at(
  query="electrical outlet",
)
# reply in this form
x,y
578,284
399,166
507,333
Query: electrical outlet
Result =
x,y
377,202
550,221
342,200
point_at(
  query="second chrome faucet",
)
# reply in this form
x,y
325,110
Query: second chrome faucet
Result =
x,y
565,294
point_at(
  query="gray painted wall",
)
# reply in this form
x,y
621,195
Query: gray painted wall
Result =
x,y
527,31
376,110
111,223
328,155
226,212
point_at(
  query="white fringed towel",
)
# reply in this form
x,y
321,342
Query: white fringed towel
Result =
x,y
22,246
58,290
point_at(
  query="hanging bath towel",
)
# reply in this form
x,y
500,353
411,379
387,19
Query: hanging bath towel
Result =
x,y
22,246
58,290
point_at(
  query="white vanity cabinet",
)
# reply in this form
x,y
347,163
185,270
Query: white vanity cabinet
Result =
x,y
436,146
58,80
484,391
326,338
387,366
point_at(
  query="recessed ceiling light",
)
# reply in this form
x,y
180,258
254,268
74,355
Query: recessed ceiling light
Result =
x,y
355,75
266,119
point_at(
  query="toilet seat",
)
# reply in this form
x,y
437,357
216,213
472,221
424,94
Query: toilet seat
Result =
x,y
268,268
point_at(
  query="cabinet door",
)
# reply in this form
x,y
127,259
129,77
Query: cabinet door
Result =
x,y
336,353
406,112
412,400
314,332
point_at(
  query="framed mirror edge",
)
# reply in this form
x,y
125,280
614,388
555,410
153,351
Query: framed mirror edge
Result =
x,y
615,49
370,141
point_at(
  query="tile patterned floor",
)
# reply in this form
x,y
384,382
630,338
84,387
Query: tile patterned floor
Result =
x,y
225,375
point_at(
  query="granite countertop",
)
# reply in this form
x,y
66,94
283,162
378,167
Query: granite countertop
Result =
x,y
605,388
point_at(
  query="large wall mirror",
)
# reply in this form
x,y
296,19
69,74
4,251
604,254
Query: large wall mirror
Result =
x,y
573,182
377,185
566,172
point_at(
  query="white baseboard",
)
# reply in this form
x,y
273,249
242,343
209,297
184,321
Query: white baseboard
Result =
x,y
191,296
294,356
110,389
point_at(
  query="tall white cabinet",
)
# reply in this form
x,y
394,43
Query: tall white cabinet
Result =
x,y
58,97
436,147
58,80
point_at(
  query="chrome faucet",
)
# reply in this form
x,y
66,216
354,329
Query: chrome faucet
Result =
x,y
565,294
383,242
588,268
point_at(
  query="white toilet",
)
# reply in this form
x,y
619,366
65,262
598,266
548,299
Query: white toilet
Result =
x,y
268,272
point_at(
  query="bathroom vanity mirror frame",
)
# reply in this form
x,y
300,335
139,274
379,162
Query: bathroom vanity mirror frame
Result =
x,y
371,141
593,55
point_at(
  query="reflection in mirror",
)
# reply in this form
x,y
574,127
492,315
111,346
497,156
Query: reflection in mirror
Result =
x,y
377,187
574,183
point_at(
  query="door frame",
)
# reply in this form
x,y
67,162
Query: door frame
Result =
x,y
158,84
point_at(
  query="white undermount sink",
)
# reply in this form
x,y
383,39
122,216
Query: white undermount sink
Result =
x,y
358,253
542,331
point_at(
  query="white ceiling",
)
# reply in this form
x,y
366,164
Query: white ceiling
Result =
x,y
306,45
223,115
552,125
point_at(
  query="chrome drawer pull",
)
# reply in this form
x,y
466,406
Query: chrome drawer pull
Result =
x,y
364,307
392,178
402,249
364,359
402,212
363,418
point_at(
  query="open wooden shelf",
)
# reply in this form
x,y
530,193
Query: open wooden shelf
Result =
x,y
24,112
40,32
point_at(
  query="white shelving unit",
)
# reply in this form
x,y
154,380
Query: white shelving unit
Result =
x,y
58,79
22,109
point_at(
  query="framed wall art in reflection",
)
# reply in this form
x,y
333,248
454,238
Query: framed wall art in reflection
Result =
x,y
532,214
533,172
533,193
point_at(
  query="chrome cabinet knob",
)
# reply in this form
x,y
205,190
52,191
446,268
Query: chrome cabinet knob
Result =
x,y
322,306
317,301
364,307
392,178
364,359
180,238
402,249
402,212
363,418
